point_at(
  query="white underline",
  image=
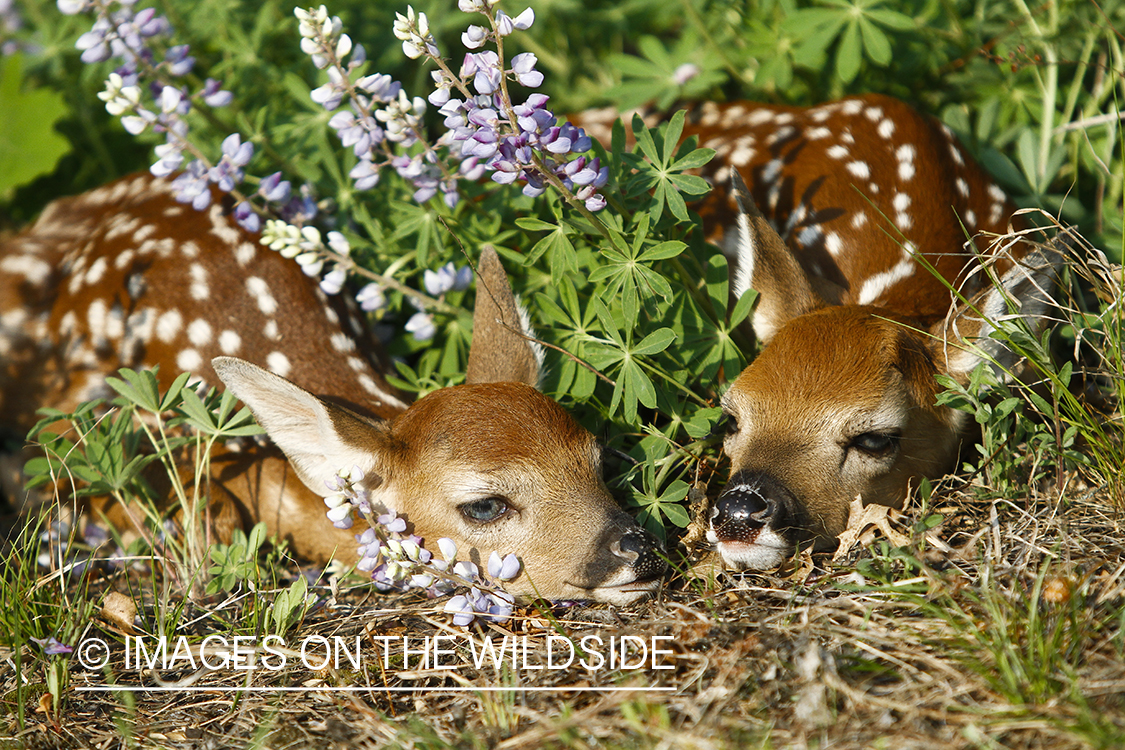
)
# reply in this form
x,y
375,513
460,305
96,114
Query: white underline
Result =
x,y
378,689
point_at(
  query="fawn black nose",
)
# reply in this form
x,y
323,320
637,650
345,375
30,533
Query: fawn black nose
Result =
x,y
642,552
749,503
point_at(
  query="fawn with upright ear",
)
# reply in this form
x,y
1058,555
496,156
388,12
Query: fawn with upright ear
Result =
x,y
841,402
126,277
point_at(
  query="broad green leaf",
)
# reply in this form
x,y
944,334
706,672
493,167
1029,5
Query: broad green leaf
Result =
x,y
29,144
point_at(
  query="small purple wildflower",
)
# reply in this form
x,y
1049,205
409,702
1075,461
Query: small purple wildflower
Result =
x,y
52,646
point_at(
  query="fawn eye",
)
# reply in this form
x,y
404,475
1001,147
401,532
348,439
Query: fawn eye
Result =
x,y
876,444
726,426
485,510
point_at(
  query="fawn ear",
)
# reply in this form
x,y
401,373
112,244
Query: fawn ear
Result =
x,y
503,348
965,338
767,265
318,437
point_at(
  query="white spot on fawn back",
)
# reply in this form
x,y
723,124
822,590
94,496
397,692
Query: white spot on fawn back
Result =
x,y
260,291
97,271
962,187
168,326
35,270
342,342
245,253
189,360
230,342
96,318
123,259
760,117
199,332
199,288
270,330
221,226
278,363
874,287
886,129
859,169
955,152
833,244
838,152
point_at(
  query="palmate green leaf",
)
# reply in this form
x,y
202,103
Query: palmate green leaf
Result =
x,y
644,140
138,387
676,204
743,307
717,284
892,19
703,422
605,318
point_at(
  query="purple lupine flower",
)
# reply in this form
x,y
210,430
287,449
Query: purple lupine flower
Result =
x,y
504,568
52,646
422,326
191,186
274,189
505,24
523,66
228,172
214,95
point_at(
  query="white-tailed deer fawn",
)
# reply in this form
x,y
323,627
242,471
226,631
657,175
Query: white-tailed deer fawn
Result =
x,y
126,277
841,402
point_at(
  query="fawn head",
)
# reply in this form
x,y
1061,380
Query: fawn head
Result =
x,y
493,464
841,402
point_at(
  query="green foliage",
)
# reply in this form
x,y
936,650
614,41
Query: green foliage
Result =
x,y
632,303
114,453
29,144
235,562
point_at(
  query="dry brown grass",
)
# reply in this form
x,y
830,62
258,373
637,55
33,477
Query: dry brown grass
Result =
x,y
825,657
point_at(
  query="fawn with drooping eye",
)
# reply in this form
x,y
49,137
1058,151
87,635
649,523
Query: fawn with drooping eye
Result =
x,y
126,277
826,212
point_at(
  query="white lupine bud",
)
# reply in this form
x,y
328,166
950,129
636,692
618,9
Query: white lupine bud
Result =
x,y
335,501
339,513
344,46
307,259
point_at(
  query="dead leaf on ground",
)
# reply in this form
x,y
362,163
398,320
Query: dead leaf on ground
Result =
x,y
860,517
119,611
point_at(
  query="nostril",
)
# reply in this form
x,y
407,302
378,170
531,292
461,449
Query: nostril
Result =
x,y
641,551
628,555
